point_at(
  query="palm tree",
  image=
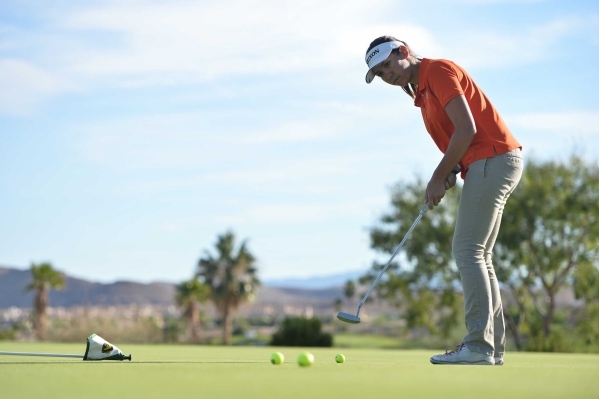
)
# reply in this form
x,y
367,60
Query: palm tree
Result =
x,y
44,278
350,289
190,294
231,276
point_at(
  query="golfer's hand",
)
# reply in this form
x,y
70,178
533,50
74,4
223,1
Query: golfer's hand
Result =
x,y
450,181
435,191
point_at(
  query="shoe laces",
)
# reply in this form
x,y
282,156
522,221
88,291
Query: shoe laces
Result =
x,y
455,350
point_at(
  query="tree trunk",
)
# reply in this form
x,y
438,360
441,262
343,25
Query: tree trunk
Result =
x,y
227,324
40,303
548,319
194,323
514,328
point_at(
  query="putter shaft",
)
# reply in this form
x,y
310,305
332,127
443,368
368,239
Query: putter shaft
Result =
x,y
420,215
41,354
344,316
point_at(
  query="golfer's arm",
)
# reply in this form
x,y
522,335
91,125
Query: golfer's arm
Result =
x,y
459,112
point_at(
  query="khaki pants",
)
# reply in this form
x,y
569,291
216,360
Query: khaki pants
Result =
x,y
488,184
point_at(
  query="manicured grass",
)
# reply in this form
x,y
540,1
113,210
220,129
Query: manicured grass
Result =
x,y
245,372
366,341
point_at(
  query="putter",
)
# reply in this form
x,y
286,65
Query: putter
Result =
x,y
97,349
350,318
54,355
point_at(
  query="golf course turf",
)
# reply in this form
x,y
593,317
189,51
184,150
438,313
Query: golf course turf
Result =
x,y
180,371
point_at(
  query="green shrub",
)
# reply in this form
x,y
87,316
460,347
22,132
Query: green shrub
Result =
x,y
7,335
300,331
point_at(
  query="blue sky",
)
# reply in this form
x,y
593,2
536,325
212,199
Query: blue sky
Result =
x,y
134,132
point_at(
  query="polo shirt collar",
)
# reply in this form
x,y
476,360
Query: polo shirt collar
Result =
x,y
422,76
423,73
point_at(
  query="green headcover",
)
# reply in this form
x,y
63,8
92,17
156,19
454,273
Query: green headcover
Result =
x,y
100,349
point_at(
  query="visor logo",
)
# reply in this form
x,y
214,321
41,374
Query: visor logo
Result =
x,y
375,52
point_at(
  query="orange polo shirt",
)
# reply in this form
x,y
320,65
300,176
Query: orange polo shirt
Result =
x,y
439,81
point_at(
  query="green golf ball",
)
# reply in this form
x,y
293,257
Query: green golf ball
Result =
x,y
340,358
305,359
277,358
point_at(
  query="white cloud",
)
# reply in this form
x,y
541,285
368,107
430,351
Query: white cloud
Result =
x,y
356,39
194,42
144,43
286,213
24,85
488,2
557,135
312,172
492,49
198,138
568,124
190,43
296,131
288,170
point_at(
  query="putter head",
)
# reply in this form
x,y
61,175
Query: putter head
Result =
x,y
348,318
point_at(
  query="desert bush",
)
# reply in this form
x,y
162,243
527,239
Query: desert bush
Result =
x,y
300,331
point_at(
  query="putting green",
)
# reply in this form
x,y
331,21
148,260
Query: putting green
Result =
x,y
246,372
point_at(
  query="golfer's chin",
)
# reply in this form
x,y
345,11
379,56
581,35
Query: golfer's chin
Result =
x,y
398,82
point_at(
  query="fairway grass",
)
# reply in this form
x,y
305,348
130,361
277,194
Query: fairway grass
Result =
x,y
177,371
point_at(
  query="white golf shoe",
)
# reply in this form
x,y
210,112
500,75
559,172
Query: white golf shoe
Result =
x,y
498,361
463,356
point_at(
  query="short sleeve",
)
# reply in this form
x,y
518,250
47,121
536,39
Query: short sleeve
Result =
x,y
444,81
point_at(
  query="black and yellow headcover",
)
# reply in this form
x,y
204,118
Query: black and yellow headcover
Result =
x,y
100,349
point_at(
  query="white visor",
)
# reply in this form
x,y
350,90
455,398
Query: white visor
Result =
x,y
377,55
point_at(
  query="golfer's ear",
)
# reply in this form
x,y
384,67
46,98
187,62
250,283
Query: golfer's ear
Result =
x,y
405,53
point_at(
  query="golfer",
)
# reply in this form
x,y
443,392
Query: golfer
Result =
x,y
470,133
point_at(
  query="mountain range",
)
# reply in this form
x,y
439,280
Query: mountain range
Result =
x,y
78,292
315,282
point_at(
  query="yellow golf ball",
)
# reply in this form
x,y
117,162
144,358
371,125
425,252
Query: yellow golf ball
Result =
x,y
277,358
340,358
305,359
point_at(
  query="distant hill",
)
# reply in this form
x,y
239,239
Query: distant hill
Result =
x,y
83,293
80,292
316,282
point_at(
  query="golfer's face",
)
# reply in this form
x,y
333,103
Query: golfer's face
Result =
x,y
392,71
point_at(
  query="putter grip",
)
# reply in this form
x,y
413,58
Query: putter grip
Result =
x,y
455,171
